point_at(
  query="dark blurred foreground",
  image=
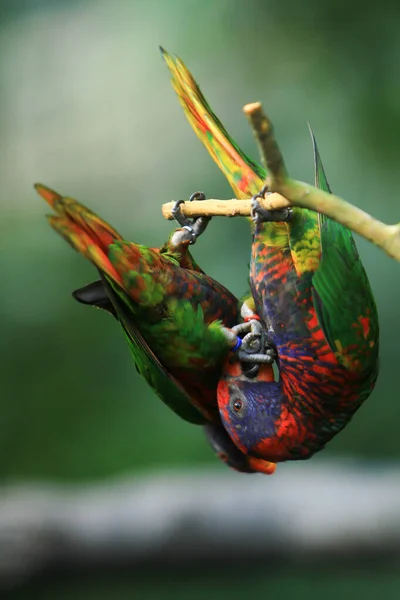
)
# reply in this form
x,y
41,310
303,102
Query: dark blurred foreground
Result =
x,y
368,580
219,531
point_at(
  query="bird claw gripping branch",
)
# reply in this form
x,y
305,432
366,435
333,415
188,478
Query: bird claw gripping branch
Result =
x,y
261,215
194,227
255,347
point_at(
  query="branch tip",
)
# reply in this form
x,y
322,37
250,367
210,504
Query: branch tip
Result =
x,y
252,107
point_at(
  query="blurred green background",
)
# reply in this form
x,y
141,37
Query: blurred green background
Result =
x,y
86,107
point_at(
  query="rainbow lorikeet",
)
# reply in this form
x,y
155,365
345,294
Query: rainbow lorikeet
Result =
x,y
172,314
311,291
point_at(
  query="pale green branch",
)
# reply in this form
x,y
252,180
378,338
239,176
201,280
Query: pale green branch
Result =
x,y
301,194
288,192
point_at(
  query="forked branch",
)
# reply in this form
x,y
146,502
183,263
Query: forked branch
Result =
x,y
289,192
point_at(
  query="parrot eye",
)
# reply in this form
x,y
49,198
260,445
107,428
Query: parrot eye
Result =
x,y
237,405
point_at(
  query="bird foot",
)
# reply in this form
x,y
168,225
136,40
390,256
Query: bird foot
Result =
x,y
192,227
255,347
261,215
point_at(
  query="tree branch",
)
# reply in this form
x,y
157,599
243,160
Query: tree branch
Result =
x,y
267,144
301,194
288,192
223,208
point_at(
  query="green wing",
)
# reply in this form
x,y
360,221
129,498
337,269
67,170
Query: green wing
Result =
x,y
343,298
148,365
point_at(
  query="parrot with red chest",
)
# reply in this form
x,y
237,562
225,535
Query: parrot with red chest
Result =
x,y
312,293
174,317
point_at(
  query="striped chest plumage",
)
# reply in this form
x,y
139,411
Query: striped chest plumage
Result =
x,y
318,394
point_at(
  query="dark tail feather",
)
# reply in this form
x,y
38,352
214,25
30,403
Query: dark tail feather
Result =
x,y
95,294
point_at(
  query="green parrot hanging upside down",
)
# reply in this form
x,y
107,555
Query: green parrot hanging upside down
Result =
x,y
175,318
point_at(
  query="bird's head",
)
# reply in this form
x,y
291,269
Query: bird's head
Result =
x,y
249,406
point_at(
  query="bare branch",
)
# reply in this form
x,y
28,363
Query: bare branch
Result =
x,y
288,192
269,149
223,208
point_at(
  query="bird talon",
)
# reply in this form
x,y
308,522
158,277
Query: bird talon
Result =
x,y
255,359
177,213
261,215
256,347
241,328
195,226
250,370
252,343
252,329
256,327
197,196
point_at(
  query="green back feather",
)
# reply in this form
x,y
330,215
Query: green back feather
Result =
x,y
148,365
206,341
343,298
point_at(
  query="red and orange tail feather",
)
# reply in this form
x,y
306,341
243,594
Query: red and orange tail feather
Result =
x,y
144,272
244,176
52,198
80,214
87,233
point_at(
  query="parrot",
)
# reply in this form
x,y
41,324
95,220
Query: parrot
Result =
x,y
313,296
174,317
